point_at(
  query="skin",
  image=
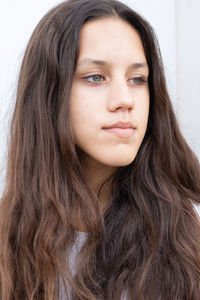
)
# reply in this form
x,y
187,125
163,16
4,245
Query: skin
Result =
x,y
117,92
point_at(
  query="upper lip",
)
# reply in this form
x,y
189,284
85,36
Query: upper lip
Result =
x,y
120,125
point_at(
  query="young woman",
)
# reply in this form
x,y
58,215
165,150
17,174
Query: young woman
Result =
x,y
100,182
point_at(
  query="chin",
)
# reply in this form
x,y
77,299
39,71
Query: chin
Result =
x,y
121,162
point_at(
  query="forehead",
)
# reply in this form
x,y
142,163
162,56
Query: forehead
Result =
x,y
110,39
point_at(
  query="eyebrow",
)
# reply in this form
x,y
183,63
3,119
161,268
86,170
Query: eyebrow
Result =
x,y
136,65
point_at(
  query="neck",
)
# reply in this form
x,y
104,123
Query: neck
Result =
x,y
99,178
97,172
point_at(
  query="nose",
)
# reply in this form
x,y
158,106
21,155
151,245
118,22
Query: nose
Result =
x,y
120,96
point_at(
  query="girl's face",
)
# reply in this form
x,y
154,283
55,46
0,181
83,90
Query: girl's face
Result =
x,y
110,93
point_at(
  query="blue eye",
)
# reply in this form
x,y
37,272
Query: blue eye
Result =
x,y
138,80
97,78
94,78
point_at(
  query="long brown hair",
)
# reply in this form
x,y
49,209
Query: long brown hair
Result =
x,y
147,243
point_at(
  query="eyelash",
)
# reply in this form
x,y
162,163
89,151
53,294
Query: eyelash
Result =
x,y
142,80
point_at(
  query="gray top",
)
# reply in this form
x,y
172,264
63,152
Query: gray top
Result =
x,y
81,238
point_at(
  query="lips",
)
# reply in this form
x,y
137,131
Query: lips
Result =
x,y
122,129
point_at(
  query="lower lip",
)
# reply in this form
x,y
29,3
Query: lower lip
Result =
x,y
123,132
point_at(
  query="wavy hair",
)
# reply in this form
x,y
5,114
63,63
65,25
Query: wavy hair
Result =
x,y
146,245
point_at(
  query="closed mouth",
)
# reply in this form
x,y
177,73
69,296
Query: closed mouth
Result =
x,y
121,129
122,125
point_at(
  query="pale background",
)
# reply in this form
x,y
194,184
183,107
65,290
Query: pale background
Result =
x,y
177,26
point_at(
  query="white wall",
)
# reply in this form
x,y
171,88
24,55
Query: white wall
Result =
x,y
188,69
176,23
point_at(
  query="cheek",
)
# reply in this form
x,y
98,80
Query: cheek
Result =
x,y
85,107
84,121
142,109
